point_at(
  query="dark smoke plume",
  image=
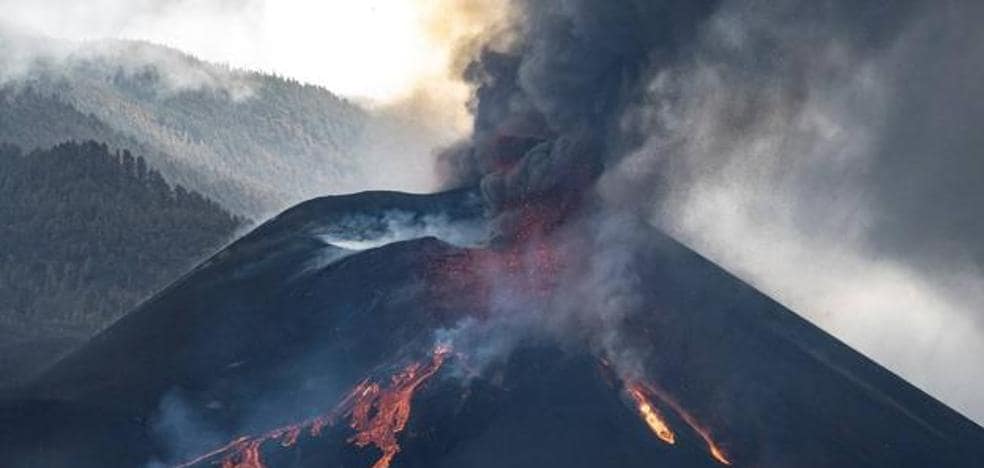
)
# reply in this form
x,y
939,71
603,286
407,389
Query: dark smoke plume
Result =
x,y
845,127
547,110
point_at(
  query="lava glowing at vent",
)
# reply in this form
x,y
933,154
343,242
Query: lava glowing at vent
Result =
x,y
651,415
377,414
527,268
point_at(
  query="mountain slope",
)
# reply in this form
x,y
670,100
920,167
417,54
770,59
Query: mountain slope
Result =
x,y
33,120
254,142
87,235
283,326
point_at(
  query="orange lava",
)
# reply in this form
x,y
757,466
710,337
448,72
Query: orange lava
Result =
x,y
377,415
717,454
651,415
645,389
472,278
712,447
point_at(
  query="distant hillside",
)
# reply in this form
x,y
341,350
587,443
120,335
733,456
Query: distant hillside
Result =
x,y
30,120
254,142
87,234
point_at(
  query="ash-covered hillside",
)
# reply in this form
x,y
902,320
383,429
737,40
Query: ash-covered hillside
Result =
x,y
400,349
88,233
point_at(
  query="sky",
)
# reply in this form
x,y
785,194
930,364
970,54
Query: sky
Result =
x,y
867,231
371,49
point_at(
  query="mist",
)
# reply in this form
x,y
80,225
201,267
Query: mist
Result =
x,y
401,75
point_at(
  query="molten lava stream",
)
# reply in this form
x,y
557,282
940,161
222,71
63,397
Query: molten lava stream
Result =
x,y
642,393
377,415
651,415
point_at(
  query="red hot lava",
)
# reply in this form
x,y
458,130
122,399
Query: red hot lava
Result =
x,y
651,414
525,267
644,393
377,414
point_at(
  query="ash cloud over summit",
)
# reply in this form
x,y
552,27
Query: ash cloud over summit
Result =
x,y
825,152
570,71
541,296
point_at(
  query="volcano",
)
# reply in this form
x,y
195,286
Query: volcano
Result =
x,y
355,331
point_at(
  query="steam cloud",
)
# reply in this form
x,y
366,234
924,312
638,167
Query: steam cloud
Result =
x,y
812,149
26,56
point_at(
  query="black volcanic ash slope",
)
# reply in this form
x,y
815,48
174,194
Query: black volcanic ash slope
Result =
x,y
280,325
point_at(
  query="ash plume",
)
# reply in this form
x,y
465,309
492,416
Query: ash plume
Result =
x,y
764,134
805,146
547,108
593,118
548,122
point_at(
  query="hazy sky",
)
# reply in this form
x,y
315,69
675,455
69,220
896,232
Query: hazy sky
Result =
x,y
368,48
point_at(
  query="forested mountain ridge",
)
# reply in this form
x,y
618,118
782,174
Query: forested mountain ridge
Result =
x,y
87,234
254,142
32,120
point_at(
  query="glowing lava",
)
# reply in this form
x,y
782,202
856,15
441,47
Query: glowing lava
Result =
x,y
525,269
377,414
642,394
651,415
247,456
712,447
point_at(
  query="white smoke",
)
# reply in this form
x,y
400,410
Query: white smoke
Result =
x,y
25,56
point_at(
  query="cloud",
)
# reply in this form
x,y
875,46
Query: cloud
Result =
x,y
383,50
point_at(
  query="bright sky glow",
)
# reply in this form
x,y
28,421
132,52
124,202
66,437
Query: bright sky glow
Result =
x,y
373,49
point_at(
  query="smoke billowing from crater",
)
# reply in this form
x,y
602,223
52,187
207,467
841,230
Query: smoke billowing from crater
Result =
x,y
752,131
806,147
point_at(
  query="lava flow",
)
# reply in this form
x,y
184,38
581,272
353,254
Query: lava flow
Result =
x,y
643,393
377,414
651,415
